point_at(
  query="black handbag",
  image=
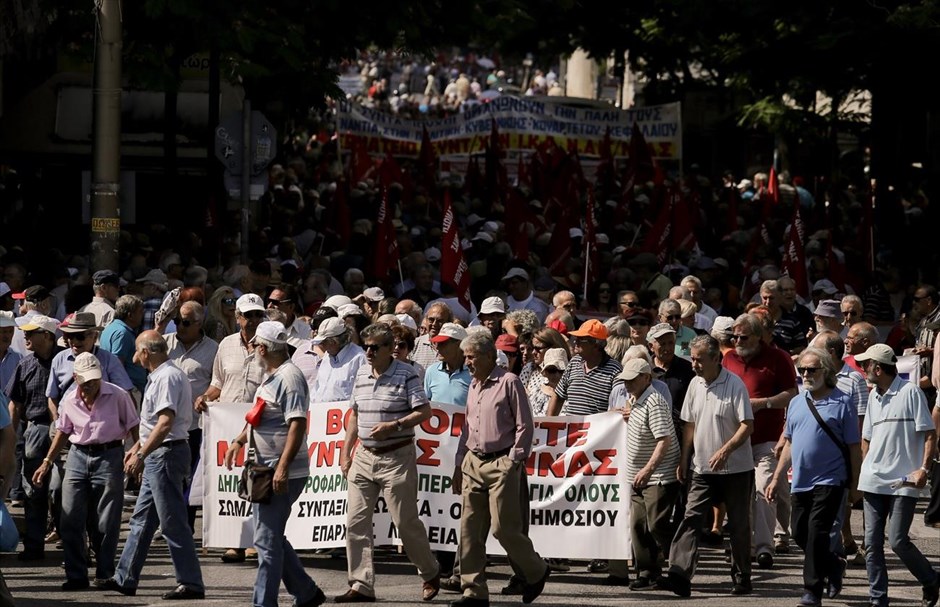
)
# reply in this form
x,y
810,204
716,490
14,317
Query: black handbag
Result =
x,y
257,482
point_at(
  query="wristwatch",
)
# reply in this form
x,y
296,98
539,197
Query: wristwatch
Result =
x,y
767,403
398,425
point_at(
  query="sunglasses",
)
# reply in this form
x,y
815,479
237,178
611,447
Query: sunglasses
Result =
x,y
673,317
278,302
850,313
630,304
373,347
183,322
229,301
76,336
805,370
253,314
739,337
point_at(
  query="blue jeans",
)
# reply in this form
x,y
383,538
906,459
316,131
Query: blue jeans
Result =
x,y
898,513
36,443
276,557
91,478
161,500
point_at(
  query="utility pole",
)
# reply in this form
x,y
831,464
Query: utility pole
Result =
x,y
106,142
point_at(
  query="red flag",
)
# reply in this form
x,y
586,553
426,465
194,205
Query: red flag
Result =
x,y
386,245
684,214
794,257
590,244
454,268
360,163
773,188
658,238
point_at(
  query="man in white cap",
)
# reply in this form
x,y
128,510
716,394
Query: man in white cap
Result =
x,y
521,296
95,419
235,374
161,461
652,457
27,393
448,381
33,301
897,460
492,314
336,374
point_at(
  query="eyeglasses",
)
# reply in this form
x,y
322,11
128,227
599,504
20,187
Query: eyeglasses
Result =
x,y
850,313
184,322
739,337
630,304
433,320
400,344
253,314
373,347
278,302
229,301
76,336
805,370
673,317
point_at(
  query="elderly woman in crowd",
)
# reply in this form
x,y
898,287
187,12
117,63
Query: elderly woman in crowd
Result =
x,y
618,337
531,376
403,345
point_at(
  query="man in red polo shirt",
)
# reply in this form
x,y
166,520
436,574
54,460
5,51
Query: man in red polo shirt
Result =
x,y
768,373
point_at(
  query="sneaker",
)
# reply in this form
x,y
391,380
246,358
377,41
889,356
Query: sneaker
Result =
x,y
558,564
598,566
810,600
765,560
52,537
835,580
643,583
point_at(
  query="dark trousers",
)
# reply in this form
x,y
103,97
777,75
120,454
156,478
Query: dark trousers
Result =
x,y
811,518
651,525
737,492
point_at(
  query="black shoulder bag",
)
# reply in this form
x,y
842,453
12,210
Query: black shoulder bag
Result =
x,y
825,427
257,481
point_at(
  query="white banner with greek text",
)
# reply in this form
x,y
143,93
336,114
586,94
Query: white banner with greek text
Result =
x,y
579,494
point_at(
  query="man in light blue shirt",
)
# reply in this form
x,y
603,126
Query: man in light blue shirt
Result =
x,y
161,459
899,442
118,337
448,381
337,373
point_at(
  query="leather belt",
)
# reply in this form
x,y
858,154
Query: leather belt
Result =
x,y
173,443
99,447
387,448
488,457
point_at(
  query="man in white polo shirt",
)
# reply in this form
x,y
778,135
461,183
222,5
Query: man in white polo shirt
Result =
x,y
337,372
521,296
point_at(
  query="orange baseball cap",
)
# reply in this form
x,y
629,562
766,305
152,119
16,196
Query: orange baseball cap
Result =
x,y
591,328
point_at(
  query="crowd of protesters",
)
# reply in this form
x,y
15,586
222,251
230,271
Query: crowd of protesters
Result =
x,y
699,344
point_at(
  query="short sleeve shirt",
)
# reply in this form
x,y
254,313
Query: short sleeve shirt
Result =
x,y
337,374
587,392
61,380
895,428
387,398
717,409
816,458
167,390
286,397
444,387
234,371
651,420
110,418
769,373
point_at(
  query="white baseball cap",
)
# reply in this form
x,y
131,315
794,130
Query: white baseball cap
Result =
x,y
492,305
349,309
6,319
374,294
331,327
880,353
555,357
407,321
336,301
249,302
663,328
38,322
516,273
634,367
86,368
272,331
450,330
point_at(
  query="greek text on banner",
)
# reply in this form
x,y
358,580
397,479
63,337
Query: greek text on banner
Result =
x,y
578,491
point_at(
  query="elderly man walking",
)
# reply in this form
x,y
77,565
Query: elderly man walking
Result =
x,y
822,442
899,442
387,403
495,441
161,460
718,421
94,419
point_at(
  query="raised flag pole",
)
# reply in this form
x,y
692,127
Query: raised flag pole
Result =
x,y
401,277
587,266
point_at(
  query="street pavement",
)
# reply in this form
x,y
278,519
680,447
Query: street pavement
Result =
x,y
37,584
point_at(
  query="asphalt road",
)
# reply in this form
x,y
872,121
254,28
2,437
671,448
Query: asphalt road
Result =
x,y
38,583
